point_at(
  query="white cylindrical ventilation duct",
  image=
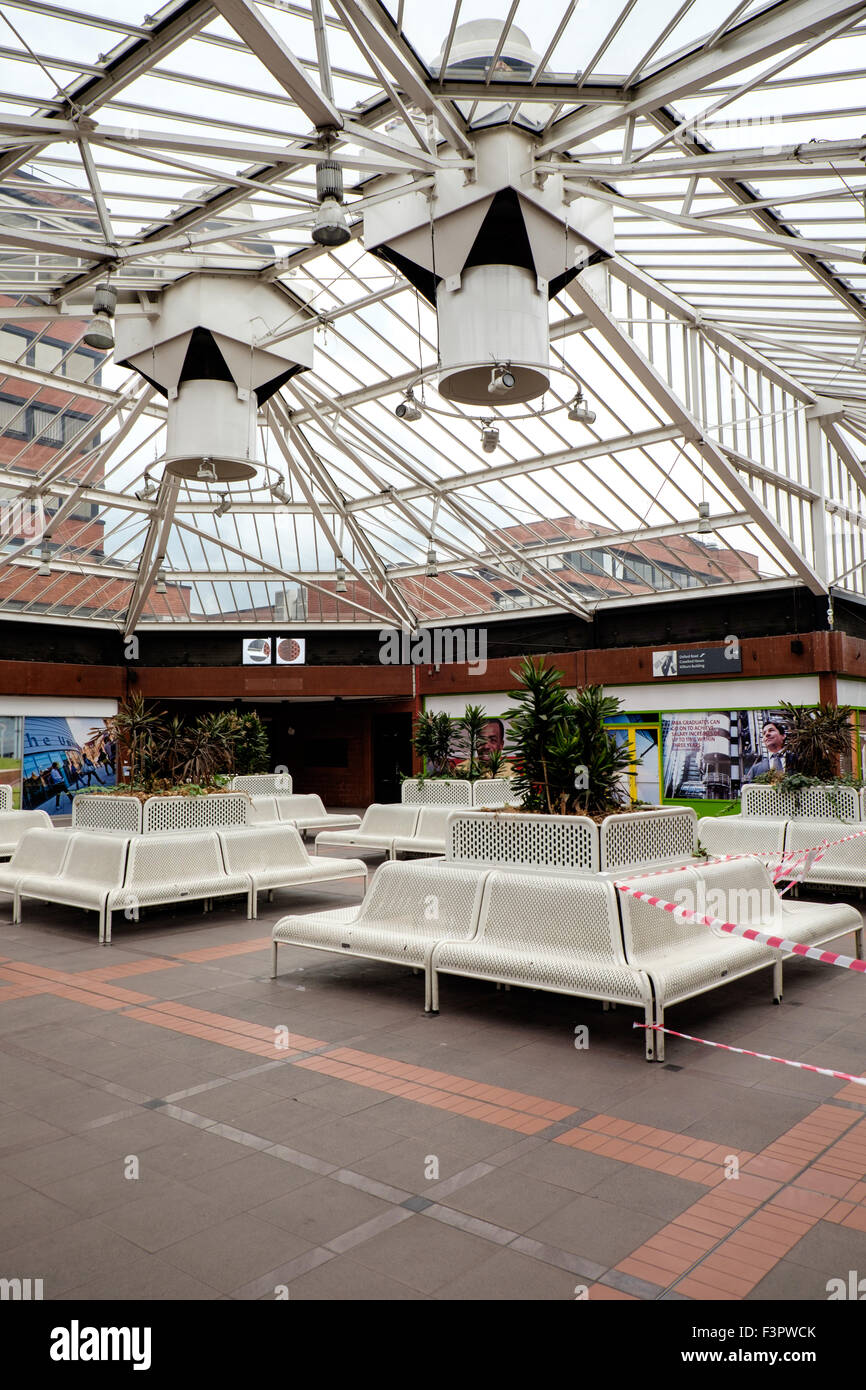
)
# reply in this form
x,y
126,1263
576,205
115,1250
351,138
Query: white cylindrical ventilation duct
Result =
x,y
489,253
200,350
498,317
208,422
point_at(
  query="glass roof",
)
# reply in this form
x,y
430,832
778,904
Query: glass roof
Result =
x,y
724,367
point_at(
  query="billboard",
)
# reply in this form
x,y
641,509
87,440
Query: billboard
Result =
x,y
62,757
710,754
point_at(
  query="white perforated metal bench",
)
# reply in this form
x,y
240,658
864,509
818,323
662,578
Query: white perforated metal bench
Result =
x,y
559,934
743,835
406,911
273,856
14,824
382,824
431,833
307,812
685,958
263,784
762,799
518,840
436,791
38,851
164,869
92,870
6,802
840,864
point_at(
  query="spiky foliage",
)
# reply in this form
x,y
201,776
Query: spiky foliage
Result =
x,y
604,761
818,737
433,741
471,726
541,708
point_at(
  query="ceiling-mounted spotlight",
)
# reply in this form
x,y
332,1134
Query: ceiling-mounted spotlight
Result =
x,y
149,490
502,380
223,506
408,410
432,564
100,332
160,582
44,570
330,227
341,576
704,523
206,473
579,411
279,492
489,438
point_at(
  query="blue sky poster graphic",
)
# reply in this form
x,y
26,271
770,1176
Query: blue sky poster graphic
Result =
x,y
62,757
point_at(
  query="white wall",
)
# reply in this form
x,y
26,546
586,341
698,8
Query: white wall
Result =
x,y
762,693
62,706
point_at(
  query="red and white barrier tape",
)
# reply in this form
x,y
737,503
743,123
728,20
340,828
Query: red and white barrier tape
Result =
x,y
778,943
785,857
747,1052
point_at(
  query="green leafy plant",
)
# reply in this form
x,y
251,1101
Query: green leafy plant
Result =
x,y
818,737
541,706
251,747
433,740
494,763
472,726
565,758
604,760
137,728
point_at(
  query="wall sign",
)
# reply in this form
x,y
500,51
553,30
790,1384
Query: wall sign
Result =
x,y
698,661
264,651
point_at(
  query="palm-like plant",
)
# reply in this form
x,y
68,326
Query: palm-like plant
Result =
x,y
818,737
542,707
472,725
604,761
433,740
138,727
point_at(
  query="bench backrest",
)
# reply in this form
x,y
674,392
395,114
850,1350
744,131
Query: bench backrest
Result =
x,y
40,851
801,835
106,813
425,901
157,859
308,804
494,791
97,859
554,916
262,810
16,823
194,812
433,823
388,819
647,928
511,838
262,847
264,784
741,892
741,834
5,797
647,837
436,791
811,803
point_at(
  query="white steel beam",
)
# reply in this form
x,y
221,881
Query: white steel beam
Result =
x,y
263,40
666,398
153,554
769,32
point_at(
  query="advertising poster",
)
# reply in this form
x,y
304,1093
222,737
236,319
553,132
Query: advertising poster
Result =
x,y
10,756
62,757
711,754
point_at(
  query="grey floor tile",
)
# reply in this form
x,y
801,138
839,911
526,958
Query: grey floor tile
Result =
x,y
234,1252
423,1253
598,1230
320,1210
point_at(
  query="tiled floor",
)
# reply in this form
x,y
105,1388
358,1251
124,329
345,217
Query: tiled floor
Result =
x,y
176,1125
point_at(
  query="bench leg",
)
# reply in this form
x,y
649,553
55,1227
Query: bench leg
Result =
x,y
649,1035
107,927
858,943
270,895
16,909
777,982
274,947
431,991
253,903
